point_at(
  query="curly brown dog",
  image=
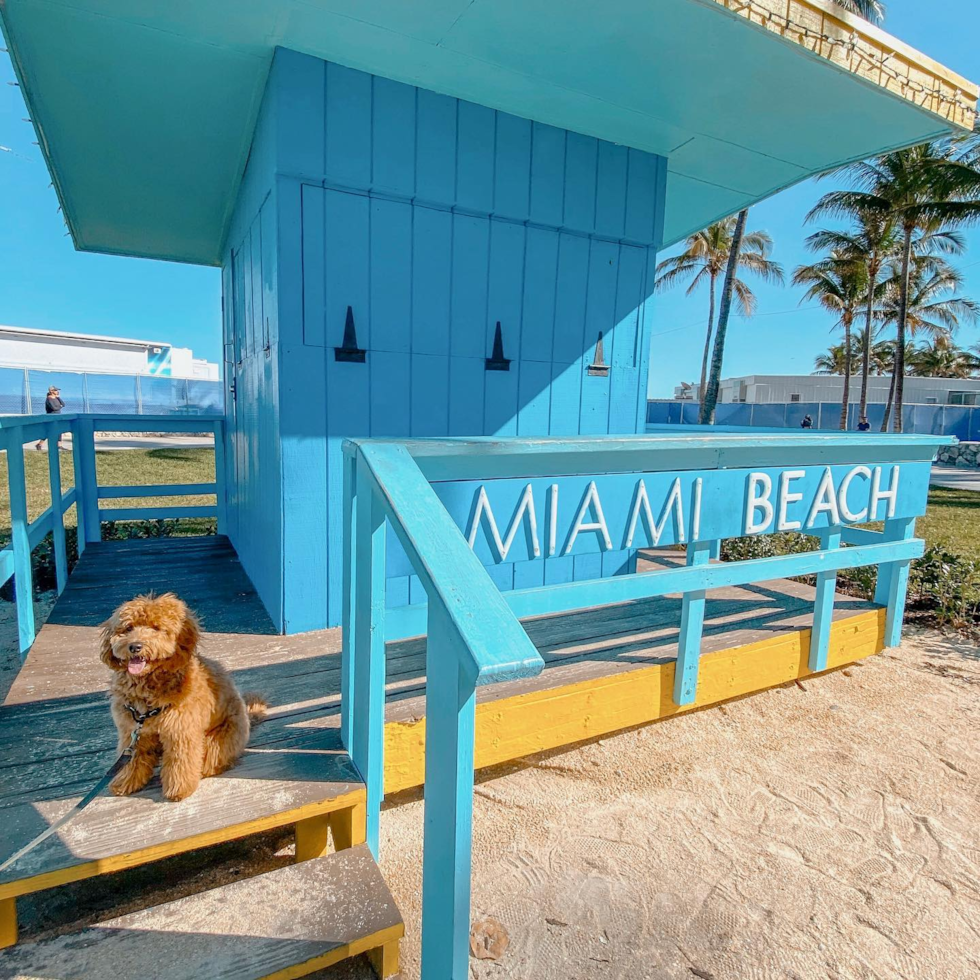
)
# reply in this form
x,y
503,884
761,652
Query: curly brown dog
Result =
x,y
150,644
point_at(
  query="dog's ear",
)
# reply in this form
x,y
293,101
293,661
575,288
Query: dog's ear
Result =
x,y
105,644
190,633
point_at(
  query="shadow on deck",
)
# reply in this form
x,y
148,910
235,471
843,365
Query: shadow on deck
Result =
x,y
607,669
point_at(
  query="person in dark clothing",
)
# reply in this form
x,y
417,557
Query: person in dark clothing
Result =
x,y
807,422
53,405
864,425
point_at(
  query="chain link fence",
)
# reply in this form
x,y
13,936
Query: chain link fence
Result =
x,y
23,390
962,421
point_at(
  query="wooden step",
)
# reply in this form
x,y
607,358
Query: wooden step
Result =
x,y
283,924
272,786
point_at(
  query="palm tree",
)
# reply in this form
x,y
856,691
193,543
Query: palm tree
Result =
x,y
839,284
733,287
834,361
927,308
925,186
943,359
873,10
704,259
870,241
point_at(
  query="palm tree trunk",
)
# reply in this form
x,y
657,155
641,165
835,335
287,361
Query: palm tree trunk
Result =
x,y
903,309
866,346
707,415
888,404
847,371
707,340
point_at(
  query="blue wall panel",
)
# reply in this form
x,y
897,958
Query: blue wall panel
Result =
x,y
432,219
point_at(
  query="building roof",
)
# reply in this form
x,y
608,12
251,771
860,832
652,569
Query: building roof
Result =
x,y
145,111
30,333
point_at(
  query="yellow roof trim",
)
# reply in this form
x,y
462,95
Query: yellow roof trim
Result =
x,y
869,52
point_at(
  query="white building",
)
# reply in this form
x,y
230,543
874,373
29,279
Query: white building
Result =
x,y
55,350
763,389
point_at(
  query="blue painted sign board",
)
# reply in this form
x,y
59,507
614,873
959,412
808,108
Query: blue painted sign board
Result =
x,y
517,520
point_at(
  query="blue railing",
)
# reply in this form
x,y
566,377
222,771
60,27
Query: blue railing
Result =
x,y
26,535
443,500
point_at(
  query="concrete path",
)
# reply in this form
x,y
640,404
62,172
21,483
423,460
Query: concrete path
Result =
x,y
955,478
132,441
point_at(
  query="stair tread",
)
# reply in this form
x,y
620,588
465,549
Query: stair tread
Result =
x,y
314,913
272,786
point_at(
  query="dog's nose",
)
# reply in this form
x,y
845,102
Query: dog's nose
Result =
x,y
135,647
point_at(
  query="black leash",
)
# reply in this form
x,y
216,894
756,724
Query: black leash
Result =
x,y
124,757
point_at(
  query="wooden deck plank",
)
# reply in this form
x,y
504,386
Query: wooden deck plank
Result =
x,y
606,669
305,917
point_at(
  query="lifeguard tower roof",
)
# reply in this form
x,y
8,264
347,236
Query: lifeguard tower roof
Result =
x,y
145,111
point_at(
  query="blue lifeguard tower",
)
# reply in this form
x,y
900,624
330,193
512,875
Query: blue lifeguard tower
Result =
x,y
437,225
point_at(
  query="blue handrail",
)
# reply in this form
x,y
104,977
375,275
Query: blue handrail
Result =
x,y
16,430
474,631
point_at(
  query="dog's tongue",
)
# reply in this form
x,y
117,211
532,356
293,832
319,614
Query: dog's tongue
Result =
x,y
136,665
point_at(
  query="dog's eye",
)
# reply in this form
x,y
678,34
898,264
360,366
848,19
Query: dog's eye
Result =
x,y
129,628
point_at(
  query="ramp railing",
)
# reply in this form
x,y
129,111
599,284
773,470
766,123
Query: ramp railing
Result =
x,y
457,506
26,534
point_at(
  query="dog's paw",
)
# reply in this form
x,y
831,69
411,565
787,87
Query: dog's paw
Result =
x,y
125,784
175,790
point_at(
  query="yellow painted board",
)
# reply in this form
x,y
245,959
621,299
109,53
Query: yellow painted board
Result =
x,y
511,728
131,859
384,938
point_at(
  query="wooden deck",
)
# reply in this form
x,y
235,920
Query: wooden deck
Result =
x,y
606,669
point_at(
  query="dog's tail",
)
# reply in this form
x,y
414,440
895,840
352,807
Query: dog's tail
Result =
x,y
256,707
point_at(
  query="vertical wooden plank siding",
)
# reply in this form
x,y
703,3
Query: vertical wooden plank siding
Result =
x,y
893,581
450,714
57,513
368,663
23,578
823,604
692,626
433,219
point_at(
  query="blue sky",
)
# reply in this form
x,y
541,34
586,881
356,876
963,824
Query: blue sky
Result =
x,y
45,283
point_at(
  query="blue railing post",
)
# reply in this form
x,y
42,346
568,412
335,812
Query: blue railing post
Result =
x,y
23,579
450,715
348,601
220,485
86,483
692,626
57,507
893,580
76,456
823,605
368,665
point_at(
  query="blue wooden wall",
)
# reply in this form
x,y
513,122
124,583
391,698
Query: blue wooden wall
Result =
x,y
433,219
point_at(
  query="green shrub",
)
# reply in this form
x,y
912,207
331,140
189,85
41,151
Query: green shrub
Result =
x,y
944,586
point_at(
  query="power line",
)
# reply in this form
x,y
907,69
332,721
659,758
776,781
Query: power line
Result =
x,y
743,316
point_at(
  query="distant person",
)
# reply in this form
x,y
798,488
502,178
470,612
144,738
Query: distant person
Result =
x,y
807,422
53,405
864,425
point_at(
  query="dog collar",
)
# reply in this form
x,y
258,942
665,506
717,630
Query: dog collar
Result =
x,y
141,718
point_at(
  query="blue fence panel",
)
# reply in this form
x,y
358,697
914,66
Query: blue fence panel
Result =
x,y
163,396
658,413
72,390
772,416
22,392
206,397
689,412
13,400
956,421
112,393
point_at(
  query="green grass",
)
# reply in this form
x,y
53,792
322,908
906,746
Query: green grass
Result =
x,y
122,467
952,520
